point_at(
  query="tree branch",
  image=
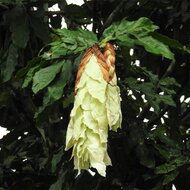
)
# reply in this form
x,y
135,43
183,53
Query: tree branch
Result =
x,y
95,16
186,116
111,16
169,69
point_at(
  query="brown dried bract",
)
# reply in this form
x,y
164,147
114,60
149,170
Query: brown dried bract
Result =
x,y
109,55
106,62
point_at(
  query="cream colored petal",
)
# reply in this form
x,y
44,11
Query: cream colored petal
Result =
x,y
86,102
96,106
113,107
97,90
69,136
93,70
90,122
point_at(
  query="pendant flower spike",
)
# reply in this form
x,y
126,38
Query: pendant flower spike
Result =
x,y
96,109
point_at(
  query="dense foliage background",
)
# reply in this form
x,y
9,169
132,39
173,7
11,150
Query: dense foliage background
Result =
x,y
151,151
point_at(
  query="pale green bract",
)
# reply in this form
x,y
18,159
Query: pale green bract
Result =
x,y
96,108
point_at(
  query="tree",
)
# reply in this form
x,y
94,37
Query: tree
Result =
x,y
39,62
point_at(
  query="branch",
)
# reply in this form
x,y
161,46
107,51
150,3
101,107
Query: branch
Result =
x,y
111,16
169,69
146,108
4,6
186,116
54,13
95,16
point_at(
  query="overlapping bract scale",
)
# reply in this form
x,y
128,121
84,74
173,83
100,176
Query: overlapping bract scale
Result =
x,y
96,109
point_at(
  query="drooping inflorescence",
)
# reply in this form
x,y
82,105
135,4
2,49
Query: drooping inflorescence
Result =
x,y
96,109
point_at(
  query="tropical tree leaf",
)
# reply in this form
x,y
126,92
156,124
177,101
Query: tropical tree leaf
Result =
x,y
39,26
44,76
19,26
29,76
130,33
170,42
170,177
154,46
10,63
55,91
70,42
56,159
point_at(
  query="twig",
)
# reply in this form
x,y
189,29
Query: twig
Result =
x,y
54,12
169,69
111,16
185,117
3,6
184,114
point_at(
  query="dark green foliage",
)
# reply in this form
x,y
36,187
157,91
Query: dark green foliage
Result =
x,y
38,66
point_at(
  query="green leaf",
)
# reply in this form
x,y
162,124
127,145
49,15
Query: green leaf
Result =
x,y
160,134
19,26
170,177
8,161
148,89
23,71
130,33
167,91
29,76
152,100
169,81
171,166
158,186
57,185
170,42
42,162
151,76
39,26
55,90
42,132
60,181
56,160
146,159
44,76
68,42
164,151
10,64
154,46
166,99
77,61
140,27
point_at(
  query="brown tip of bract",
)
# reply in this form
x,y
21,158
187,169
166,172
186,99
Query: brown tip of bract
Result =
x,y
106,62
109,55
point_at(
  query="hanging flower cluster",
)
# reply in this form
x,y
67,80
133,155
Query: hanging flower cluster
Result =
x,y
96,109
